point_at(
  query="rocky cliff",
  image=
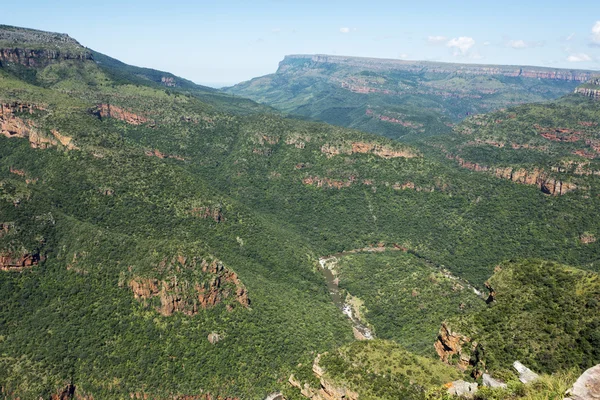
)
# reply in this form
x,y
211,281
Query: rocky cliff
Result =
x,y
590,89
178,293
454,348
14,126
112,111
375,64
33,48
17,261
38,58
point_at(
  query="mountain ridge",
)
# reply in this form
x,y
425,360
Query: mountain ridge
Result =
x,y
530,71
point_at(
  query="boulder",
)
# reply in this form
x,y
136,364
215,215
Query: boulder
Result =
x,y
462,388
525,374
491,382
587,387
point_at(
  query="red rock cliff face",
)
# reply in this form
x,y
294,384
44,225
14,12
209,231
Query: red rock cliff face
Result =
x,y
188,297
111,111
12,126
536,177
365,148
450,344
10,261
39,58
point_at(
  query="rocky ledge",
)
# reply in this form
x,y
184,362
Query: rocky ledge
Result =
x,y
215,285
326,391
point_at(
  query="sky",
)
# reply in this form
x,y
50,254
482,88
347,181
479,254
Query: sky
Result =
x,y
225,42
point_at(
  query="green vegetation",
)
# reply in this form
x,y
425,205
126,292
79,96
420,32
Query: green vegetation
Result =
x,y
405,298
158,173
380,369
560,138
545,315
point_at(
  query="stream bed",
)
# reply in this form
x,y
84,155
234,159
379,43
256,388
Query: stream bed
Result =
x,y
361,332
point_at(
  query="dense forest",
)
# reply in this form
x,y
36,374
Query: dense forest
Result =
x,y
162,239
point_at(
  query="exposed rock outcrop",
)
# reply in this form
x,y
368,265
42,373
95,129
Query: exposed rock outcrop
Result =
x,y
39,57
488,381
10,261
112,111
525,374
536,176
366,147
450,344
180,295
213,212
375,64
12,126
326,390
328,182
590,89
463,389
67,393
587,386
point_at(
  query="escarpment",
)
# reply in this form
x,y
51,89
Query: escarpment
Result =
x,y
379,150
39,57
536,176
191,285
375,64
33,48
590,89
13,126
112,111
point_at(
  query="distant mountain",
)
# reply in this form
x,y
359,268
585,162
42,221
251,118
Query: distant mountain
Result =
x,y
162,240
401,99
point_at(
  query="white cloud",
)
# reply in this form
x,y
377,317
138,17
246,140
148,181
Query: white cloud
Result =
x,y
571,36
521,44
596,33
437,39
579,57
462,45
345,30
517,44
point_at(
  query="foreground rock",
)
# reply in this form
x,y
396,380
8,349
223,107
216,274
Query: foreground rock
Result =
x,y
587,387
462,388
525,374
493,383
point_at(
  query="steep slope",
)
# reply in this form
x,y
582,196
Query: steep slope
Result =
x,y
401,99
543,314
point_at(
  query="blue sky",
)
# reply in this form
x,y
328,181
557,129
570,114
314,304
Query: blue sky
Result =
x,y
224,42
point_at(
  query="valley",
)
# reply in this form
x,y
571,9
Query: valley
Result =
x,y
165,240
